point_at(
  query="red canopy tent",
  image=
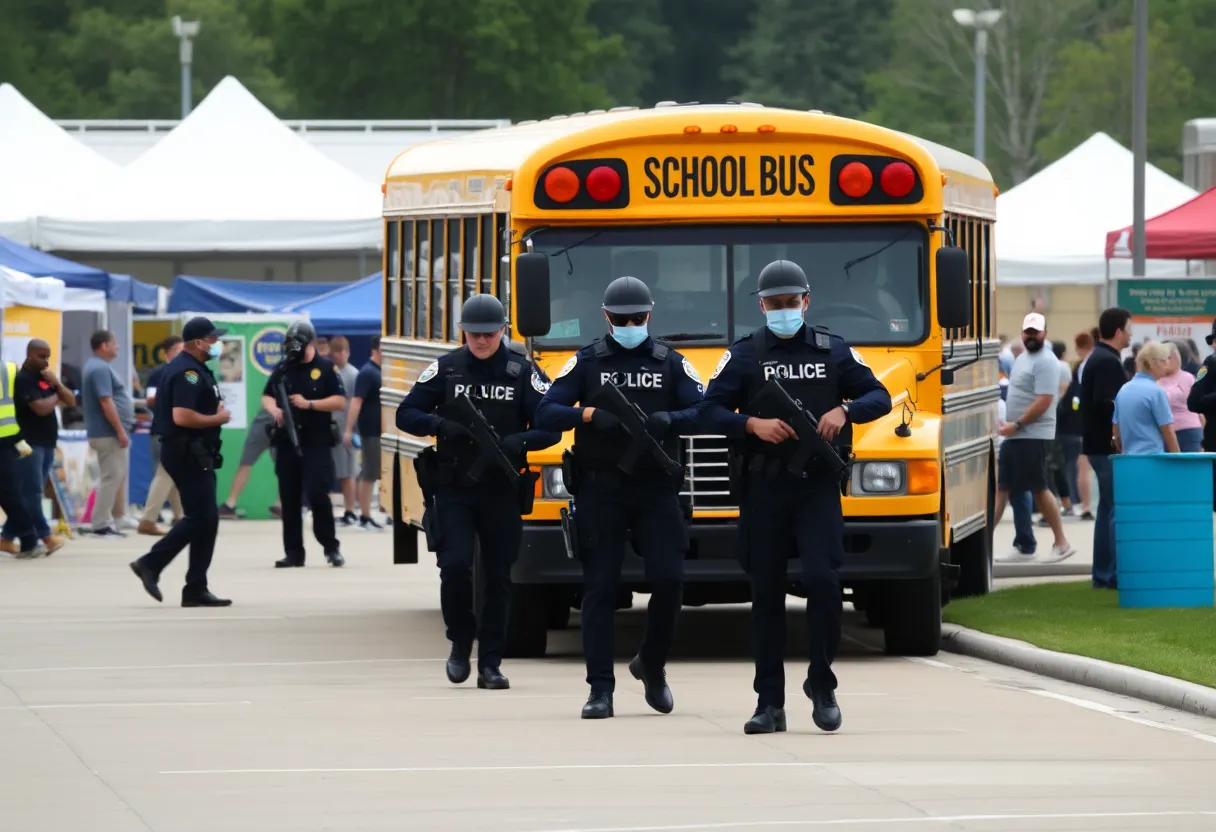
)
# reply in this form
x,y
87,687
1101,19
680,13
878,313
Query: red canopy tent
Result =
x,y
1187,232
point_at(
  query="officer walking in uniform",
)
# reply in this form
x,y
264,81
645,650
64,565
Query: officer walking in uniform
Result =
x,y
613,507
781,511
505,387
187,417
314,392
12,448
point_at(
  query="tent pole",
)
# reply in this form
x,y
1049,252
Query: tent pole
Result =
x,y
1139,133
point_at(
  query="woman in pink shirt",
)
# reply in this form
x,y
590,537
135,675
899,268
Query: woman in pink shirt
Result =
x,y
1177,383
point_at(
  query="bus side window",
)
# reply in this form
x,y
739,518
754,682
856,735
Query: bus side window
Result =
x,y
503,269
487,255
438,261
392,295
469,258
422,270
454,299
406,276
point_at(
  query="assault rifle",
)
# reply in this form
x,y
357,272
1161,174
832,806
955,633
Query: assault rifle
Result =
x,y
491,453
633,420
279,382
811,446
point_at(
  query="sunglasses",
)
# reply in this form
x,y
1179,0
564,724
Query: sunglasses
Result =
x,y
627,320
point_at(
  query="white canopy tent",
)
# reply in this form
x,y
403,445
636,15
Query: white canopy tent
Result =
x,y
230,178
83,311
39,161
1051,229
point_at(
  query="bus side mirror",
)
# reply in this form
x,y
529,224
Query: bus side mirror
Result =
x,y
532,294
953,288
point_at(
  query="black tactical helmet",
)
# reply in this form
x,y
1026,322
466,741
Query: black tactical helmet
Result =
x,y
782,277
299,335
482,313
627,296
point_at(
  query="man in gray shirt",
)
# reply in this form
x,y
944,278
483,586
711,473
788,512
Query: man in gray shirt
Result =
x,y
109,418
346,459
1030,408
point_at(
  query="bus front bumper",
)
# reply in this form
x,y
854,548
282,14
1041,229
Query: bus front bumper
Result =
x,y
874,550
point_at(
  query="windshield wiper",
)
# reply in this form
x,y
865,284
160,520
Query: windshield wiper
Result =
x,y
690,336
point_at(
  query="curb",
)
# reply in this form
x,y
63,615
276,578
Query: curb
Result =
x,y
1040,570
1094,673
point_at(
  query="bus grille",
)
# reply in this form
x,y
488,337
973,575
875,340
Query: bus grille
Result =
x,y
708,480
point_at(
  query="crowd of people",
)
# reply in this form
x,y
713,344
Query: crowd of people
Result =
x,y
1061,422
101,404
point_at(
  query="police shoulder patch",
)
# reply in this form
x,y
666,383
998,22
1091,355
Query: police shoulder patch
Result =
x,y
316,373
429,373
191,376
539,384
722,362
691,371
565,370
1203,371
857,357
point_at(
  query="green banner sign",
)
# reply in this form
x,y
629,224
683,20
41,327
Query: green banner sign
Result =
x,y
1185,298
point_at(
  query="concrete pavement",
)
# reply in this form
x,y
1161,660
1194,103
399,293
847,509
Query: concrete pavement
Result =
x,y
318,702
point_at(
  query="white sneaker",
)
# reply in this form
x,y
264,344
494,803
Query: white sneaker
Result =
x,y
127,522
1059,553
1015,556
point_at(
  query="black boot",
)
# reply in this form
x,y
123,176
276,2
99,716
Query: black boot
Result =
x,y
335,558
288,562
458,663
826,713
489,678
202,598
766,720
599,706
148,578
658,694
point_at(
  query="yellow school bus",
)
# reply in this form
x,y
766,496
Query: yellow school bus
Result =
x,y
895,234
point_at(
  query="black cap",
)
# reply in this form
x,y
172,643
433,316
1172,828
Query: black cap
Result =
x,y
782,277
627,296
482,313
198,328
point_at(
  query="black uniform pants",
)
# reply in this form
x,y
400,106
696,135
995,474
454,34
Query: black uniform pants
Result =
x,y
787,517
309,474
489,514
610,513
11,499
200,523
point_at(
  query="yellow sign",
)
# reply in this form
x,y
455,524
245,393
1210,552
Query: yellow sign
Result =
x,y
146,337
23,324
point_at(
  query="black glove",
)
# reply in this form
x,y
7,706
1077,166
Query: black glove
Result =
x,y
450,430
513,445
658,424
605,421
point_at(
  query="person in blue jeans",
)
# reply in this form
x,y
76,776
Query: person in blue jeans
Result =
x,y
1101,382
37,391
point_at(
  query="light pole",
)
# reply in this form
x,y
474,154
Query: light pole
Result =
x,y
1139,134
186,30
981,22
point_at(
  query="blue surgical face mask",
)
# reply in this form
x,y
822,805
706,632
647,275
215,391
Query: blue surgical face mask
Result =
x,y
629,336
783,322
215,350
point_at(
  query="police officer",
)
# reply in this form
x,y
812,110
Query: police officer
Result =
x,y
505,388
1202,400
314,391
187,417
12,448
613,507
780,511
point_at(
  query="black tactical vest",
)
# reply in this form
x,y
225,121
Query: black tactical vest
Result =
x,y
645,379
500,399
807,371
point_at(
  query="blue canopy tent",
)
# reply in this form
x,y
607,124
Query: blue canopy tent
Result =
x,y
119,288
355,310
214,294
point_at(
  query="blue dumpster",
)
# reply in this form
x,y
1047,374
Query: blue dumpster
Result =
x,y
1163,530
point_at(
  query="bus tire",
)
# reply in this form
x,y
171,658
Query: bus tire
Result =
x,y
973,554
912,620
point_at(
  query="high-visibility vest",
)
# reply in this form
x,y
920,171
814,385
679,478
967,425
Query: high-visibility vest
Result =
x,y
8,411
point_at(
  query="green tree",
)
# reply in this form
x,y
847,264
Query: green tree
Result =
x,y
120,59
454,59
703,33
644,39
1092,90
811,55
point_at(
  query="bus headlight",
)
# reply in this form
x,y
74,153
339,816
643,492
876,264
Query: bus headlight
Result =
x,y
553,486
881,477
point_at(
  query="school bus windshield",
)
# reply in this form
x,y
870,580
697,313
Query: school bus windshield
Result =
x,y
869,281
